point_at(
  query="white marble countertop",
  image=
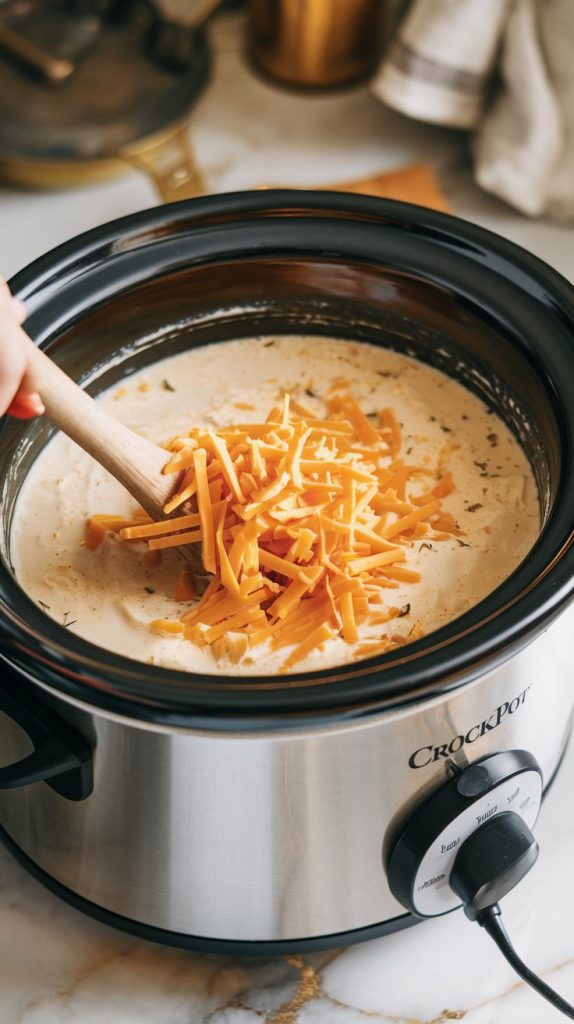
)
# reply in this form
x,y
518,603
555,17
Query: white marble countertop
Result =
x,y
58,967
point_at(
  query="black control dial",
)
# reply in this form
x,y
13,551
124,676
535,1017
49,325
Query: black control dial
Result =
x,y
423,854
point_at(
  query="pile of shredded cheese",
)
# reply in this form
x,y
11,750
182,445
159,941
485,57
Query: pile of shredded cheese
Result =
x,y
304,524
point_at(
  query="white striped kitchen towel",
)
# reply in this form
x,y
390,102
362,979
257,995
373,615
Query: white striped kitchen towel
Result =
x,y
505,69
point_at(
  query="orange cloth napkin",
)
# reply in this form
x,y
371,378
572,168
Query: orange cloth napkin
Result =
x,y
416,184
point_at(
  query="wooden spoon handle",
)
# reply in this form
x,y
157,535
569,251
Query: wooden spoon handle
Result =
x,y
133,460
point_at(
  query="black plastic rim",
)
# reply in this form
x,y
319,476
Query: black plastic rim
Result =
x,y
86,272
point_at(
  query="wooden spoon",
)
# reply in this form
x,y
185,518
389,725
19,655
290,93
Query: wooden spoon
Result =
x,y
133,460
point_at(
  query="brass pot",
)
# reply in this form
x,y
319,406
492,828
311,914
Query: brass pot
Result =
x,y
166,157
316,43
127,103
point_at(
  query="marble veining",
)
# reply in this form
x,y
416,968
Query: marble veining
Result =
x,y
59,967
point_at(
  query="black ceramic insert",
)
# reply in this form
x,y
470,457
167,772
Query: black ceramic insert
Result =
x,y
421,282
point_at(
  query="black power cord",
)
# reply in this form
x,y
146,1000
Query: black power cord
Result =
x,y
489,919
488,865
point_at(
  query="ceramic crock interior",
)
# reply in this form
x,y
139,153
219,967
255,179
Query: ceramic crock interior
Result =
x,y
313,294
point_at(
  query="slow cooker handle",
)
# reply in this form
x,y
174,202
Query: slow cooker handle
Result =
x,y
61,757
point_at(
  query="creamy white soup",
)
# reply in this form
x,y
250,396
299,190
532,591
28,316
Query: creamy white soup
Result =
x,y
110,595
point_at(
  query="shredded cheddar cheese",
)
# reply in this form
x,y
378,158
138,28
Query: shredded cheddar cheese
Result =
x,y
304,523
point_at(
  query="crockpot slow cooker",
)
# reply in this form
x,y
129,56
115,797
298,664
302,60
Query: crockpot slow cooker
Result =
x,y
313,809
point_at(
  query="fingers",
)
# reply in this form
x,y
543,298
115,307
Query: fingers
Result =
x,y
12,358
18,310
25,405
15,397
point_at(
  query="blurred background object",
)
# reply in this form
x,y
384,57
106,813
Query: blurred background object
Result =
x,y
55,58
414,183
92,88
440,61
504,69
316,43
173,38
88,89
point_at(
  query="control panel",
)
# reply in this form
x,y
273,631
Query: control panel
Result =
x,y
424,853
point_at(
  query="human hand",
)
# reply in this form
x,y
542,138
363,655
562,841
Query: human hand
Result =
x,y
17,396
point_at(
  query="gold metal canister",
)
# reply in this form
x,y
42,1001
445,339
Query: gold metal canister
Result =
x,y
316,43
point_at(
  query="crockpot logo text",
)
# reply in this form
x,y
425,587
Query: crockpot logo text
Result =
x,y
428,755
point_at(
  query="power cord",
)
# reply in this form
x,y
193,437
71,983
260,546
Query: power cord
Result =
x,y
488,865
489,919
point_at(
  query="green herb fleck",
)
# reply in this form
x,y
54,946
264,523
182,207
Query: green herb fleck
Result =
x,y
167,386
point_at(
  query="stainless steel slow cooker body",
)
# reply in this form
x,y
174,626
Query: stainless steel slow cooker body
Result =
x,y
213,811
